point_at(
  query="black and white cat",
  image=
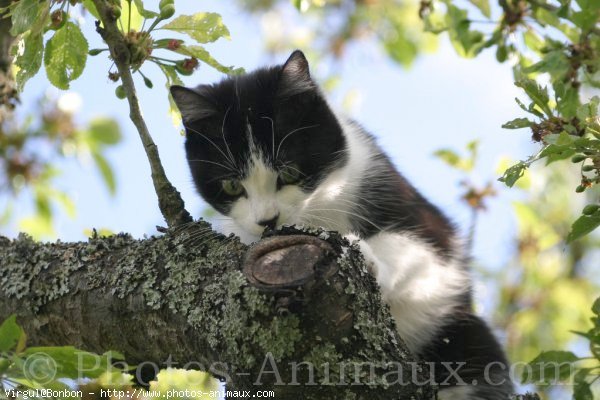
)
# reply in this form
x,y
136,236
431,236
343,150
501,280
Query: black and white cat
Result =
x,y
265,149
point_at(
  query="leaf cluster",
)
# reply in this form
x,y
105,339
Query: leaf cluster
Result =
x,y
559,44
551,367
64,53
23,367
59,368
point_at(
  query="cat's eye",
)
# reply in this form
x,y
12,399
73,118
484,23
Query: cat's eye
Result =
x,y
232,187
289,174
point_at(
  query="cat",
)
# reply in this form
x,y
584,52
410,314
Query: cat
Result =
x,y
266,149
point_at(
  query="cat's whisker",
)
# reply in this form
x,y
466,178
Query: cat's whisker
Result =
x,y
232,159
349,213
272,135
328,223
289,134
212,162
290,166
398,222
215,146
221,177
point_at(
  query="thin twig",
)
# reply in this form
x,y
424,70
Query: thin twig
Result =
x,y
169,200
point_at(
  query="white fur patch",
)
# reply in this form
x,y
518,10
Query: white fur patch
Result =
x,y
262,201
418,285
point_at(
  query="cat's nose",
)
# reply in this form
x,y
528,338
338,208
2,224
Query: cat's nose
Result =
x,y
269,223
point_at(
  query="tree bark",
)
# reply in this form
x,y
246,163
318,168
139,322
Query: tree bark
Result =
x,y
194,298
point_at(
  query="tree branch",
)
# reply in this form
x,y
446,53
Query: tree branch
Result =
x,y
185,297
170,202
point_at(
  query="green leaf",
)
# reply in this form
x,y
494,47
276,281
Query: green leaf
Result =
x,y
513,174
172,79
563,11
42,204
472,146
531,109
203,55
567,100
589,5
451,158
28,58
448,156
68,362
434,22
6,214
555,152
581,388
483,6
133,21
518,123
106,172
10,333
559,148
584,19
467,43
401,48
582,226
564,139
204,27
550,367
91,7
27,15
596,306
554,62
65,202
537,93
588,110
532,40
104,131
139,4
545,17
65,56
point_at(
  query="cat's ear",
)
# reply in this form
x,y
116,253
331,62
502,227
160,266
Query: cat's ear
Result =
x,y
191,104
295,76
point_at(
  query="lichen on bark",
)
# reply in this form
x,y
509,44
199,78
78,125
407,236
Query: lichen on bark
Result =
x,y
187,296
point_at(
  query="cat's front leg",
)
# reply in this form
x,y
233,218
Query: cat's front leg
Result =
x,y
420,286
428,295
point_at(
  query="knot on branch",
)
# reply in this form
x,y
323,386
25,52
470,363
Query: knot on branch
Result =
x,y
284,262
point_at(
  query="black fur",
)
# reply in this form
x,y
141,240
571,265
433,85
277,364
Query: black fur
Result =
x,y
467,340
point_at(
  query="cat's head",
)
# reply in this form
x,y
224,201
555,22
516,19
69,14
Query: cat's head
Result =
x,y
259,144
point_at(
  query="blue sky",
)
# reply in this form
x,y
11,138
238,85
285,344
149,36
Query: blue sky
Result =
x,y
442,101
